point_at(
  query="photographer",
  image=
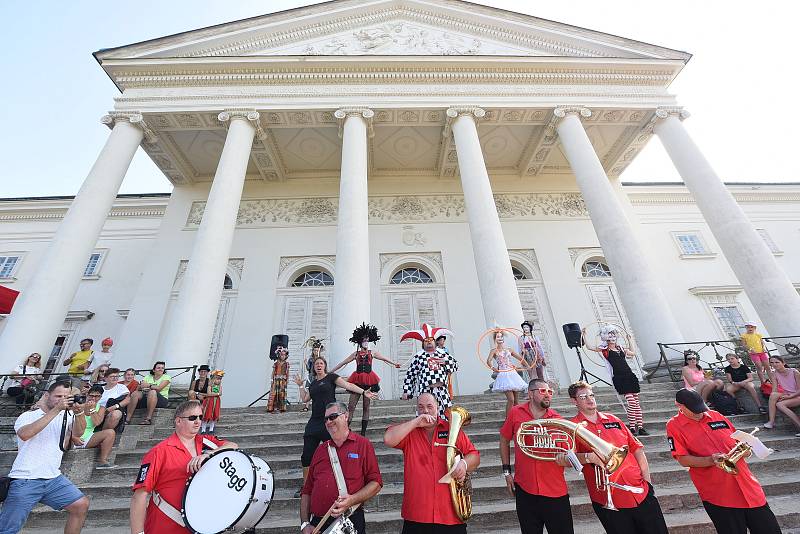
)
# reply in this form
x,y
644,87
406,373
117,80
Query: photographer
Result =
x,y
36,475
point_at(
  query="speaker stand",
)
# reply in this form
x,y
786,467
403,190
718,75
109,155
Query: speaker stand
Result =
x,y
586,374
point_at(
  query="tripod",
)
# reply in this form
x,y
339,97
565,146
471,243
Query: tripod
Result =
x,y
586,374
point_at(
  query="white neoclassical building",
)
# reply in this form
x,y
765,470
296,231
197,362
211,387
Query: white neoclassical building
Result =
x,y
398,162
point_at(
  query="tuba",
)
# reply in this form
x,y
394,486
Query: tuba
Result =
x,y
546,439
460,492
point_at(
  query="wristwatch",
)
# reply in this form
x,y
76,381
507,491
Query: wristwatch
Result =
x,y
303,525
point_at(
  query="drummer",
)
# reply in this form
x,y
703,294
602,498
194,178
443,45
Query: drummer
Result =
x,y
161,482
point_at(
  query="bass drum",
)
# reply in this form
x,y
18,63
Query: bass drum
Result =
x,y
231,492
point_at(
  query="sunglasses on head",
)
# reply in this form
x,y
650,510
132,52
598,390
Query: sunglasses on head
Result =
x,y
190,417
584,396
334,416
545,391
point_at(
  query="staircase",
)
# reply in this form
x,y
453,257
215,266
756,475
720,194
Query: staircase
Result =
x,y
278,440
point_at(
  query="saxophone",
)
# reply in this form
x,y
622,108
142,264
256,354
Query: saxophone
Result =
x,y
460,492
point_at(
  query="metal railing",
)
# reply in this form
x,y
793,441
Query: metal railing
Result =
x,y
712,354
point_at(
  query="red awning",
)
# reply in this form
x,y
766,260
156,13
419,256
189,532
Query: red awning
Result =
x,y
7,298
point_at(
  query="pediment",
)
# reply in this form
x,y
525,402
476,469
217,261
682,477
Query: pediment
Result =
x,y
392,28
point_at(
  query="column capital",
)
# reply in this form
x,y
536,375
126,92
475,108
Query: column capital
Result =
x,y
229,115
133,117
474,112
562,111
365,113
663,113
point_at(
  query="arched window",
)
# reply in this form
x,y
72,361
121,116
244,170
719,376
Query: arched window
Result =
x,y
595,268
313,279
411,275
228,283
519,274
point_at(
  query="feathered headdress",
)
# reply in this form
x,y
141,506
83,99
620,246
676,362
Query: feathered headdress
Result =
x,y
313,342
218,372
365,331
426,332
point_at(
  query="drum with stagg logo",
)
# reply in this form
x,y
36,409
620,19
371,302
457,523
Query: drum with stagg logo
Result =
x,y
231,492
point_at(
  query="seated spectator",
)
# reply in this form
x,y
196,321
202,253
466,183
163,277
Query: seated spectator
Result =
x,y
130,379
23,388
694,377
101,358
740,377
199,385
94,413
85,385
98,376
153,393
115,400
78,362
785,391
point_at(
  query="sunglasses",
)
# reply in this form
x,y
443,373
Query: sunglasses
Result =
x,y
584,396
545,391
687,359
334,416
190,417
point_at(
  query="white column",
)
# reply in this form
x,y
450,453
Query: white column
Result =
x,y
496,281
44,302
766,284
641,296
351,289
192,326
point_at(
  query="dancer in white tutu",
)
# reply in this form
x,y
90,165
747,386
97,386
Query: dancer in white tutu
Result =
x,y
507,381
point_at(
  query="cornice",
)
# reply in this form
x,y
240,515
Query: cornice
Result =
x,y
56,214
662,198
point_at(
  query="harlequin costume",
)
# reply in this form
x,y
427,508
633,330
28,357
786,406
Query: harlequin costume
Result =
x,y
424,374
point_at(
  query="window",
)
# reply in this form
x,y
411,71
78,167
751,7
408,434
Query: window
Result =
x,y
228,283
691,244
93,267
519,274
730,319
313,279
768,240
8,265
595,268
411,275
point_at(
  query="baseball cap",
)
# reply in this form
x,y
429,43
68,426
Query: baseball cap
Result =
x,y
691,399
750,324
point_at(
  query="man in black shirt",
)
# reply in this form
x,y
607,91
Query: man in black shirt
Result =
x,y
740,377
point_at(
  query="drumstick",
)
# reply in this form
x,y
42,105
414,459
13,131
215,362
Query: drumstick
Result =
x,y
322,521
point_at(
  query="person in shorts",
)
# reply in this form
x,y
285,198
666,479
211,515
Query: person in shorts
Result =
x,y
754,343
153,393
36,474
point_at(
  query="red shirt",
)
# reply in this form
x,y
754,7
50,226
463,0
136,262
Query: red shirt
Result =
x,y
535,477
424,465
712,433
611,429
164,470
359,467
133,385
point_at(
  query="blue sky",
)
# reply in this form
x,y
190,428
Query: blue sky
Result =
x,y
740,86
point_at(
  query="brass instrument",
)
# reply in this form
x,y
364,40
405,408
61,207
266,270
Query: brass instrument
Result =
x,y
460,492
547,439
742,449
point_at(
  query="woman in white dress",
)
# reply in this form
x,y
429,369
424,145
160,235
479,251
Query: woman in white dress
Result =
x,y
507,381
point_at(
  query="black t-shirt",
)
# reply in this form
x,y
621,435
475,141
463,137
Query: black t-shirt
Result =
x,y
739,374
322,393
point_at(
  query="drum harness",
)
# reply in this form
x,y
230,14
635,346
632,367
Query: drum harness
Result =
x,y
166,508
342,522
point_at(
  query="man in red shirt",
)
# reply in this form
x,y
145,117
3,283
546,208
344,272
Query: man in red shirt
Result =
x,y
698,438
359,467
538,486
427,505
638,513
165,469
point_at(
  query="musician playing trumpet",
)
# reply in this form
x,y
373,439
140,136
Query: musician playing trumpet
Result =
x,y
428,507
537,485
637,510
699,439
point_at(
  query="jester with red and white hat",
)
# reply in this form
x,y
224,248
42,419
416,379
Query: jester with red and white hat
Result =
x,y
430,368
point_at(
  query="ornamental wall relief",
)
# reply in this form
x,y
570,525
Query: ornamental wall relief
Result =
x,y
322,211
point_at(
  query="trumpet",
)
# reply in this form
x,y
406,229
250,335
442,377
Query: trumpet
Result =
x,y
742,449
547,439
460,492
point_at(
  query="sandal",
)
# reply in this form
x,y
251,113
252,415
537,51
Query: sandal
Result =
x,y
305,408
146,422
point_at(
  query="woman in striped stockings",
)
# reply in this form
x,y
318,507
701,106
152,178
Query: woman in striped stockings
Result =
x,y
625,382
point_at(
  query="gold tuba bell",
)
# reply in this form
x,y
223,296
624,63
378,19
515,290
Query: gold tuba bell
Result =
x,y
460,492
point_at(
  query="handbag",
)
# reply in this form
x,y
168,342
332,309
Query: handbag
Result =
x,y
766,389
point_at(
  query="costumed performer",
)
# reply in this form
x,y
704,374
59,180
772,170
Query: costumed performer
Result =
x,y
280,373
430,368
212,402
530,348
507,381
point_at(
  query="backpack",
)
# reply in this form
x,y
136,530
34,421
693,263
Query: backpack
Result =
x,y
723,402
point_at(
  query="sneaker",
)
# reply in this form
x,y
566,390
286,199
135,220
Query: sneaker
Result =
x,y
643,432
106,465
633,430
767,425
762,410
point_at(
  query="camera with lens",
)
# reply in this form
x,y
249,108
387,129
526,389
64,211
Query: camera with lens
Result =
x,y
79,399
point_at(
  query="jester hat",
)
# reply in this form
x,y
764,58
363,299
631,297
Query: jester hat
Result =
x,y
426,333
